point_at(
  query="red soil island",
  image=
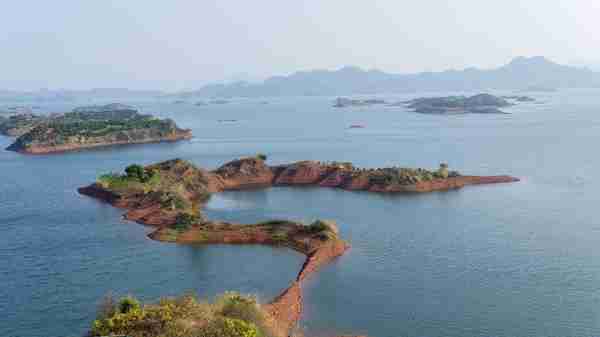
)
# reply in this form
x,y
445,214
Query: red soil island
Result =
x,y
169,195
253,172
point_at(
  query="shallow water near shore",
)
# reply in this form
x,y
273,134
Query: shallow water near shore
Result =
x,y
501,260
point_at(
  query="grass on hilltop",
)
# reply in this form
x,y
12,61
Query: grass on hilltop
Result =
x,y
229,315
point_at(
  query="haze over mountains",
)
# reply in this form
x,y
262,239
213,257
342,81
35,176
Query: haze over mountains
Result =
x,y
520,73
43,95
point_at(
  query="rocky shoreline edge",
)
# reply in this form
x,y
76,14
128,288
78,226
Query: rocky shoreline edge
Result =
x,y
61,148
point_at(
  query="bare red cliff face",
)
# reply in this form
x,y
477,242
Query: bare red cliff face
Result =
x,y
253,173
301,173
243,174
142,211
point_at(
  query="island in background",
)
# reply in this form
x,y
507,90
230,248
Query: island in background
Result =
x,y
481,104
452,105
88,127
170,195
342,102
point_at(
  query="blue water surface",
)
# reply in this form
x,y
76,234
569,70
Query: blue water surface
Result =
x,y
501,260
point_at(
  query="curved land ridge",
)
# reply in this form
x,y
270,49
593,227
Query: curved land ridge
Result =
x,y
88,127
170,194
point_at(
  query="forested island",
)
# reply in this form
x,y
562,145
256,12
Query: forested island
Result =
x,y
170,195
19,124
478,104
342,102
88,127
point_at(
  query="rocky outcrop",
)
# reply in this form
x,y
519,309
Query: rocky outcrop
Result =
x,y
301,173
98,192
253,172
243,174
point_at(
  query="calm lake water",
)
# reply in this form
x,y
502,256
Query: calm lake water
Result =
x,y
506,260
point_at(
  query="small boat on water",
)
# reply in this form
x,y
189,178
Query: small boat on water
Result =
x,y
357,126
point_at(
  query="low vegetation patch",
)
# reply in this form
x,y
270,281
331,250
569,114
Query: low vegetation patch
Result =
x,y
325,230
174,185
184,221
275,222
280,237
135,177
229,315
409,176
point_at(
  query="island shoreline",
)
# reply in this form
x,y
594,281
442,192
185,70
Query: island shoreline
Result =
x,y
60,149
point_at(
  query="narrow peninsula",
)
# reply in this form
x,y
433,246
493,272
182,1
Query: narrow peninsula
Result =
x,y
170,195
88,127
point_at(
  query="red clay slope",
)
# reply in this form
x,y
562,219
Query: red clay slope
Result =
x,y
253,172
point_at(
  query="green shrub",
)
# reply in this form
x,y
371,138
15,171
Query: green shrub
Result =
x,y
139,173
113,181
230,327
326,235
127,304
172,201
179,203
275,222
231,315
184,221
443,172
261,156
427,176
323,226
119,323
317,226
324,229
280,237
135,172
234,305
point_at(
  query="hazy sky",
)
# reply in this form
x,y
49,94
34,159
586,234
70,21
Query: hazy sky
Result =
x,y
180,44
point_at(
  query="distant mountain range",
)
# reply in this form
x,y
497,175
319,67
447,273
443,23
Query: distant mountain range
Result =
x,y
521,73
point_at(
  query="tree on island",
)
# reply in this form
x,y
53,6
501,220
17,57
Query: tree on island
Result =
x,y
138,173
443,172
135,171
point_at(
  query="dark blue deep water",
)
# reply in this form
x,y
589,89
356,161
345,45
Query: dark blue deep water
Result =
x,y
508,260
